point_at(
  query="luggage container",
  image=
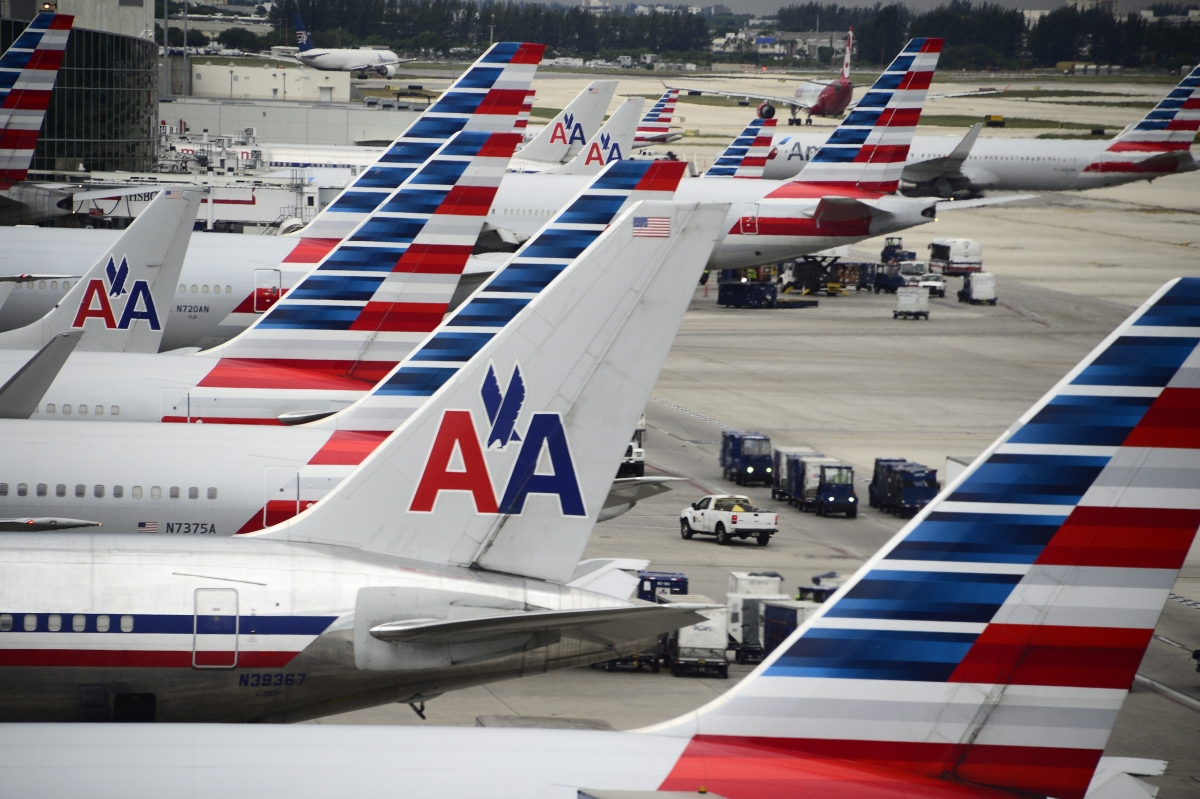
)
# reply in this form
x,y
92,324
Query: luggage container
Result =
x,y
780,618
746,624
879,477
700,648
912,302
747,295
755,583
652,586
804,479
746,457
903,488
779,457
978,289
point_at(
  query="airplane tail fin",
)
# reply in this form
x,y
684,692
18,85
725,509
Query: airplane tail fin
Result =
x,y
488,97
746,156
302,42
868,149
655,127
992,641
849,52
611,143
28,70
525,395
379,292
575,125
121,304
1169,126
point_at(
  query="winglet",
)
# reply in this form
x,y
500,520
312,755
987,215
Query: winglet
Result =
x,y
21,395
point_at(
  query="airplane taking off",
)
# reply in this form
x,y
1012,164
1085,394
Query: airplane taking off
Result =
x,y
381,62
426,573
984,652
945,166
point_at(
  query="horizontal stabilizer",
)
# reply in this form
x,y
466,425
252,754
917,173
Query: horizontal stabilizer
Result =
x,y
843,209
949,165
42,524
629,491
23,392
979,202
598,625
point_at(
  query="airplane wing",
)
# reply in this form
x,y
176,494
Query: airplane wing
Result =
x,y
948,166
795,102
23,392
604,625
42,524
955,205
976,93
628,491
378,64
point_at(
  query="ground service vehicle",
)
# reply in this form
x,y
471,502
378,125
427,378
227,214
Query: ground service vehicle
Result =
x,y
956,256
780,456
912,302
835,491
935,283
902,488
893,251
746,457
978,289
634,462
700,648
727,517
805,476
652,586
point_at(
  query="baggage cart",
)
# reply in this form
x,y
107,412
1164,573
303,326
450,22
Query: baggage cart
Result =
x,y
912,302
781,617
652,586
702,647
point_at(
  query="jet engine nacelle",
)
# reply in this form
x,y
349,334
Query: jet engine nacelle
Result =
x,y
386,71
766,111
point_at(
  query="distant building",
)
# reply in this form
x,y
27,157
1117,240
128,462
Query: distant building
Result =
x,y
270,83
648,58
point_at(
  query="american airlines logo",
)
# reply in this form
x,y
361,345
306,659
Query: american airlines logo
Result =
x,y
135,302
457,460
604,151
568,131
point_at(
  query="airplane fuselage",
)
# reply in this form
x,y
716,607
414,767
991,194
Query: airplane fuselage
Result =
x,y
335,60
234,629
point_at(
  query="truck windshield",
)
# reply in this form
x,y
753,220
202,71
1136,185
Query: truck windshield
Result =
x,y
740,504
753,447
837,475
940,252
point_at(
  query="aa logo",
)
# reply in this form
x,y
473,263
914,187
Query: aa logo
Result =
x,y
604,151
98,300
568,131
457,461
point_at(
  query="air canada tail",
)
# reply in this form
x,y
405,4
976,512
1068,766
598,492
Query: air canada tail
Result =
x,y
746,156
526,393
488,97
613,142
121,304
302,42
869,148
28,70
572,128
991,643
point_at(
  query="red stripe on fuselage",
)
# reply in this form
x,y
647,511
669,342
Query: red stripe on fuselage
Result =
x,y
804,227
1123,538
1077,657
1148,146
787,768
803,190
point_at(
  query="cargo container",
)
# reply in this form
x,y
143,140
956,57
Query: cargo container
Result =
x,y
807,474
700,648
746,624
779,461
781,617
912,302
902,487
978,289
755,583
653,585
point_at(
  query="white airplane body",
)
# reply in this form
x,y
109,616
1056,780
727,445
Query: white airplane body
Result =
x,y
351,60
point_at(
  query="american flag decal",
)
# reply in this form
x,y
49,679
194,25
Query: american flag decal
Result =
x,y
147,527
652,227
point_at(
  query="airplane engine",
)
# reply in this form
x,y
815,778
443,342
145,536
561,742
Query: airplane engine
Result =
x,y
766,111
386,71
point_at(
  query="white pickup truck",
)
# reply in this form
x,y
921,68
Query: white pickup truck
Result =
x,y
728,516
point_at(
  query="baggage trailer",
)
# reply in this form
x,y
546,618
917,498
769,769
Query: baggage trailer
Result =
x,y
746,624
902,487
780,618
779,459
978,289
746,457
912,302
700,648
809,476
653,586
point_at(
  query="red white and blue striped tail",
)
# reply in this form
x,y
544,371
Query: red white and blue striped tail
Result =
x,y
868,150
378,293
655,127
991,643
490,96
746,157
28,70
1160,144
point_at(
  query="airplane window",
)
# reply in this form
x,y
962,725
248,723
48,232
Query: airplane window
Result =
x,y
66,410
155,492
127,624
137,492
99,410
41,489
194,289
54,284
118,492
212,493
41,284
49,407
193,493
80,490
5,622
182,289
78,623
102,624
66,285
98,492
174,492
55,622
30,622
22,489
3,489
204,289
115,410
60,490
83,410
